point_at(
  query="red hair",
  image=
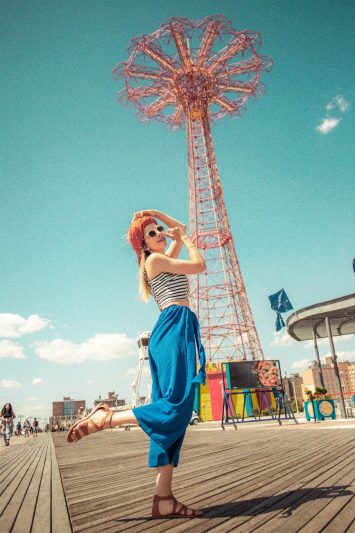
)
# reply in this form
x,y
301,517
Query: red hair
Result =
x,y
136,234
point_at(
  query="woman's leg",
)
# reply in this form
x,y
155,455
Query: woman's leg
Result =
x,y
104,420
164,479
164,488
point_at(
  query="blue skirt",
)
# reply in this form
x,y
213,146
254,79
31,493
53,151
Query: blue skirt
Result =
x,y
172,359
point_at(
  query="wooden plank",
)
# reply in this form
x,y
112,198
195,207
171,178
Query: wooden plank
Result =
x,y
13,496
14,464
32,499
116,497
264,512
342,499
243,489
24,518
8,487
59,511
222,516
311,503
42,512
343,521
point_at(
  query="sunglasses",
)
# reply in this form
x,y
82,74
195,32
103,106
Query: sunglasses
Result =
x,y
153,232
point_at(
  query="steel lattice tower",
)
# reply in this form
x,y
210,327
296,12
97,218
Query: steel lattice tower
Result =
x,y
180,75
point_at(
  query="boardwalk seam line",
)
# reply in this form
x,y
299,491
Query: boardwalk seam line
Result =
x,y
55,461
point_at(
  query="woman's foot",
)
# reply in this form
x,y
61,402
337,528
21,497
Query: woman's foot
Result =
x,y
169,506
99,419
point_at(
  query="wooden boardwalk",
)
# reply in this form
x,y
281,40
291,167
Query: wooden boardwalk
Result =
x,y
259,478
31,492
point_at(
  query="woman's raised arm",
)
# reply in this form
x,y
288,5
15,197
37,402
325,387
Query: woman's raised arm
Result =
x,y
168,220
175,246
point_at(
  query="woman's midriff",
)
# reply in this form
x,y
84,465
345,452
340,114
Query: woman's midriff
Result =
x,y
176,302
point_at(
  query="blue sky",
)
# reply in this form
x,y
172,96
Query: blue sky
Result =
x,y
75,166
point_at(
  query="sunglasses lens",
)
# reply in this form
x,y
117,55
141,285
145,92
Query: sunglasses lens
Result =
x,y
153,232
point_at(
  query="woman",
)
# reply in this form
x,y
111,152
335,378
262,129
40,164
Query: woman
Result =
x,y
7,415
172,353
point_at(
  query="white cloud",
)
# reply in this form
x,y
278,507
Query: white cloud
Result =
x,y
38,381
338,102
40,411
88,381
132,372
10,384
325,342
345,355
301,365
282,339
14,326
101,347
33,399
11,350
327,125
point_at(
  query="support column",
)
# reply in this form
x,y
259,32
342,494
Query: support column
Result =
x,y
335,363
318,360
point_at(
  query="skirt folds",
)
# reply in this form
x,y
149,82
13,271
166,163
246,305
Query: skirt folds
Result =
x,y
173,345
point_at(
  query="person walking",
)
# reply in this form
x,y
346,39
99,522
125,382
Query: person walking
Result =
x,y
18,429
172,353
26,428
7,415
35,427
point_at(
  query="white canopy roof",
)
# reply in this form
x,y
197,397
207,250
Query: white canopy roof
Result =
x,y
341,314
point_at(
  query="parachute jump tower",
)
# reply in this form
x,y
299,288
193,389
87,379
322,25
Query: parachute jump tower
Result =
x,y
190,74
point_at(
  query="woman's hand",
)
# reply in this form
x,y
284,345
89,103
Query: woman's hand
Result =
x,y
144,213
177,234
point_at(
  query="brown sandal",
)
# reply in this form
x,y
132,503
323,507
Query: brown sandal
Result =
x,y
181,511
82,427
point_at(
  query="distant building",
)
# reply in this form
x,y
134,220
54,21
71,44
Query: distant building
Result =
x,y
352,374
346,376
68,407
311,377
294,388
111,401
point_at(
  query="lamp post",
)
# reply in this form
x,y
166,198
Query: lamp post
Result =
x,y
318,359
115,397
336,369
295,395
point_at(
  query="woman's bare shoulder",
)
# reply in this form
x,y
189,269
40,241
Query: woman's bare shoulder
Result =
x,y
155,264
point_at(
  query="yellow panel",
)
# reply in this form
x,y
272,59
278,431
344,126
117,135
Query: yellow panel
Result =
x,y
254,399
273,401
205,403
238,404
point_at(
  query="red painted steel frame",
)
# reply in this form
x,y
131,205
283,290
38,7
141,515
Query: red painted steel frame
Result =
x,y
180,75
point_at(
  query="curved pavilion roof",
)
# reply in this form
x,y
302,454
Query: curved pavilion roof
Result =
x,y
341,314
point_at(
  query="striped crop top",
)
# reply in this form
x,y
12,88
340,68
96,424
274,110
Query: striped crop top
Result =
x,y
168,287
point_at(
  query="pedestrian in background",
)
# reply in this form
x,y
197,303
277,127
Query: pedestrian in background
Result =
x,y
26,427
7,415
35,427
